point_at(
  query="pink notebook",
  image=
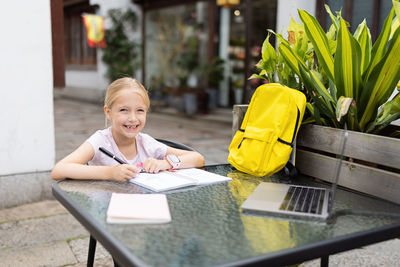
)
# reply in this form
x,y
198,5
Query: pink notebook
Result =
x,y
138,208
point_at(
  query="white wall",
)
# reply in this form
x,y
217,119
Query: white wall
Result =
x,y
26,87
287,9
82,79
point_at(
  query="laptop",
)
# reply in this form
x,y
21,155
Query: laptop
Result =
x,y
295,201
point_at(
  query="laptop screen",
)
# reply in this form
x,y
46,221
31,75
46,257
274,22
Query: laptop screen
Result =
x,y
338,168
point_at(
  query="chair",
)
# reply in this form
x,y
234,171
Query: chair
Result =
x,y
175,144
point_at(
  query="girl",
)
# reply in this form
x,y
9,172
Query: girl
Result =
x,y
126,105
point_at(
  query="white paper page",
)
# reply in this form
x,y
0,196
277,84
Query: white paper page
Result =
x,y
138,208
203,177
161,181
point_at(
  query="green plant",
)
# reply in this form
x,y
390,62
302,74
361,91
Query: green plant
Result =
x,y
214,72
120,55
238,83
351,81
188,60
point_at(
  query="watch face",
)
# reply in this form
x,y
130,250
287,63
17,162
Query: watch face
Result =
x,y
173,158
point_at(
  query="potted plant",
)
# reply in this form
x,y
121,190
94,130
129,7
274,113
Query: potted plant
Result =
x,y
347,80
238,90
188,63
214,74
351,74
121,54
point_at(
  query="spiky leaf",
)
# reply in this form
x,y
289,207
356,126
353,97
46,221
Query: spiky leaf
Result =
x,y
381,82
347,63
320,42
380,46
363,37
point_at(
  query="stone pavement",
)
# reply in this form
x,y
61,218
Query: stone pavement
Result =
x,y
45,234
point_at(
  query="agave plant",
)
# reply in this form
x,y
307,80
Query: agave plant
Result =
x,y
352,79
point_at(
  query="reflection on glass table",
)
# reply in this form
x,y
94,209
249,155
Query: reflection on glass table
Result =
x,y
209,228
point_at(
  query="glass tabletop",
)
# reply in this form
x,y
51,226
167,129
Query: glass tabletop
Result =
x,y
209,228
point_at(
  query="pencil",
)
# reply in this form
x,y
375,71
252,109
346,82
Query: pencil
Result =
x,y
120,161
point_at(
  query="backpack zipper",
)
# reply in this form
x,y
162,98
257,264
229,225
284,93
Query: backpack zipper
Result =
x,y
242,138
241,142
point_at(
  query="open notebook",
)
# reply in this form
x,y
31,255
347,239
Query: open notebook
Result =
x,y
166,180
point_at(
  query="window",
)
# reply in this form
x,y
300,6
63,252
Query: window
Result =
x,y
77,51
354,11
176,44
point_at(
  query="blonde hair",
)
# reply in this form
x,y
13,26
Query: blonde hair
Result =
x,y
126,83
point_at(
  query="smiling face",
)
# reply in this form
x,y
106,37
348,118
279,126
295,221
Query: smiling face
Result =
x,y
127,115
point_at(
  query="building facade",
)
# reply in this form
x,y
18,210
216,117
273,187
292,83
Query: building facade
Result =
x,y
180,39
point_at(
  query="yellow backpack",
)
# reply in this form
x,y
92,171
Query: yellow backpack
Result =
x,y
264,142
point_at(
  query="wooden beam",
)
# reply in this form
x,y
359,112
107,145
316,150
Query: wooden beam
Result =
x,y
212,14
144,13
375,20
367,147
348,10
321,13
72,2
57,32
372,181
248,25
157,4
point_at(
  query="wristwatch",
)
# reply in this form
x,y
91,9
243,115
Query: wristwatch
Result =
x,y
173,160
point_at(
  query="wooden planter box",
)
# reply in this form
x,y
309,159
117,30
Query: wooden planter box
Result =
x,y
371,164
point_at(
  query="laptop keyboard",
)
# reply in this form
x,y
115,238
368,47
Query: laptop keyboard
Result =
x,y
303,199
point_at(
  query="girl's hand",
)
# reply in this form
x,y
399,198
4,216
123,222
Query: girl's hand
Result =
x,y
152,165
123,172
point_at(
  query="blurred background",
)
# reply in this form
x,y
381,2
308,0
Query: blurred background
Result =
x,y
206,49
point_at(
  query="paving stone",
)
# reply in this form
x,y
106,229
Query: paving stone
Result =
x,y
382,254
104,262
49,254
31,210
80,249
40,230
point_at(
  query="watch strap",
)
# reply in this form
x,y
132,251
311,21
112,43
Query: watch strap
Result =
x,y
171,163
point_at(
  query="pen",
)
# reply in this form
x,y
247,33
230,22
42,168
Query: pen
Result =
x,y
111,155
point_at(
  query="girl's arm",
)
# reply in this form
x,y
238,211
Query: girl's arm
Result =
x,y
189,159
74,166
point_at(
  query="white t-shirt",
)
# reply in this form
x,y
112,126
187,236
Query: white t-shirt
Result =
x,y
147,147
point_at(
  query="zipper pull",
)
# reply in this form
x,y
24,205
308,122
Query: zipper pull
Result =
x,y
241,143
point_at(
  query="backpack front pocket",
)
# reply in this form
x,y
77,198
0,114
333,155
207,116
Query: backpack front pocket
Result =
x,y
252,152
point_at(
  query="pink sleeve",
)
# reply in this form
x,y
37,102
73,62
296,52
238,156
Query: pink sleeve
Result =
x,y
95,140
100,139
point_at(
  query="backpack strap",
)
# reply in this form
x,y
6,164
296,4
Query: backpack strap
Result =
x,y
290,170
294,132
284,142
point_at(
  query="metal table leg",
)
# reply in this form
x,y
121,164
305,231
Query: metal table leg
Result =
x,y
115,263
91,252
325,261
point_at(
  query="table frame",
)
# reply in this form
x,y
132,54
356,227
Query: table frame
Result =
x,y
291,256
